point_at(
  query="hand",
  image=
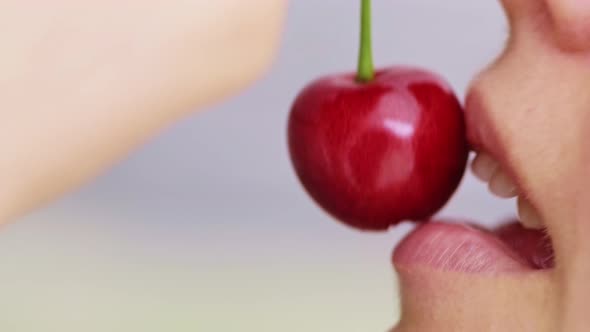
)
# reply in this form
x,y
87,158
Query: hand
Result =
x,y
84,81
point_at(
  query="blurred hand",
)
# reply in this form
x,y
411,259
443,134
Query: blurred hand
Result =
x,y
83,81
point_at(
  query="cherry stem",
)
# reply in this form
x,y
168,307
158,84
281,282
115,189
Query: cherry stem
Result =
x,y
365,72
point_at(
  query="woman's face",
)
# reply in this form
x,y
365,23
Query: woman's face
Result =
x,y
528,118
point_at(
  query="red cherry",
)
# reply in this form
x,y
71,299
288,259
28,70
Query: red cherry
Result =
x,y
378,148
377,153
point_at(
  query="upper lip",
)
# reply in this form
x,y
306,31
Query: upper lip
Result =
x,y
478,134
481,136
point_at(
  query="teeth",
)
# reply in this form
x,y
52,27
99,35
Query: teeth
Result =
x,y
529,217
502,186
487,169
484,166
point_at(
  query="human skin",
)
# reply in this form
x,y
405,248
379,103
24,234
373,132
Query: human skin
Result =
x,y
528,110
85,81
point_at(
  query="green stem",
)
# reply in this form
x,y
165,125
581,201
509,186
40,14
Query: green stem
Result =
x,y
365,72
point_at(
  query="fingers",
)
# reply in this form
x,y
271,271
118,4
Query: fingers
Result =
x,y
86,83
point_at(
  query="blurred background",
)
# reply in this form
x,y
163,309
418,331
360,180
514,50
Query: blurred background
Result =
x,y
206,228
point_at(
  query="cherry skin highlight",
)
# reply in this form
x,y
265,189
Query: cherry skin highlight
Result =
x,y
373,154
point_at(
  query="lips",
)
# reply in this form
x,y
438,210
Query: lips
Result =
x,y
469,249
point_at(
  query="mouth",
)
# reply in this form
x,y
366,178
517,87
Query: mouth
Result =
x,y
521,245
470,249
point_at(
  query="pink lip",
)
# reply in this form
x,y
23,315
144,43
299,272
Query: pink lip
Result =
x,y
463,248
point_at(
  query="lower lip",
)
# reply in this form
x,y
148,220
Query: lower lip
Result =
x,y
467,249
